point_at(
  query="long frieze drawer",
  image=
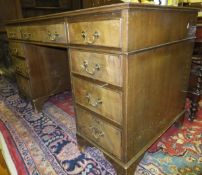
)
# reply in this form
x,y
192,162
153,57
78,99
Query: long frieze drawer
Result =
x,y
20,66
13,32
30,32
23,85
103,67
100,33
103,134
103,101
55,33
45,32
17,49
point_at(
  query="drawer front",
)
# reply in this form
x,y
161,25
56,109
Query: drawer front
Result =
x,y
13,32
17,49
23,85
20,66
103,67
53,33
30,32
101,100
103,134
100,33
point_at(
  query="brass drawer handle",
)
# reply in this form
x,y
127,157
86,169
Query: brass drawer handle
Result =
x,y
84,35
93,70
92,101
18,69
15,51
52,36
26,36
12,35
96,132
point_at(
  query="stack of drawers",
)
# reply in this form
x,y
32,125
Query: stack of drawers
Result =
x,y
97,79
128,82
40,71
21,68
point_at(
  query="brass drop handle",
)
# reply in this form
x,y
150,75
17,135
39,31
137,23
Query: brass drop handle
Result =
x,y
92,71
52,36
27,35
18,68
15,51
96,132
94,102
12,35
84,35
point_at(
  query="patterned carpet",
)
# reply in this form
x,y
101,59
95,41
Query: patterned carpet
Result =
x,y
46,142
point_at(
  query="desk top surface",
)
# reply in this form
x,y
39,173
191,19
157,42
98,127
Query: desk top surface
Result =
x,y
104,9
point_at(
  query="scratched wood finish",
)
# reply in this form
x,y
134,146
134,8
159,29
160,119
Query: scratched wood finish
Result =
x,y
170,26
99,66
99,131
98,99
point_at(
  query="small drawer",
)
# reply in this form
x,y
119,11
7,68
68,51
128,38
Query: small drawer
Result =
x,y
20,66
100,33
55,33
23,85
17,49
103,101
30,33
45,32
102,133
103,67
13,32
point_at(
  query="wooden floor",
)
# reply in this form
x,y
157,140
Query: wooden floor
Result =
x,y
3,167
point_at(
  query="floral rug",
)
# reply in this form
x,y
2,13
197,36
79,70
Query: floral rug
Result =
x,y
45,143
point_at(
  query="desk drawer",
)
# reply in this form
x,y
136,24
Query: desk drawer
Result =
x,y
100,33
23,85
20,66
13,32
103,134
103,67
103,101
17,49
55,33
30,32
45,32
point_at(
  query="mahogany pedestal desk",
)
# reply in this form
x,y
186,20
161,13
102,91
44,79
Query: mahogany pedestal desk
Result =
x,y
129,67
